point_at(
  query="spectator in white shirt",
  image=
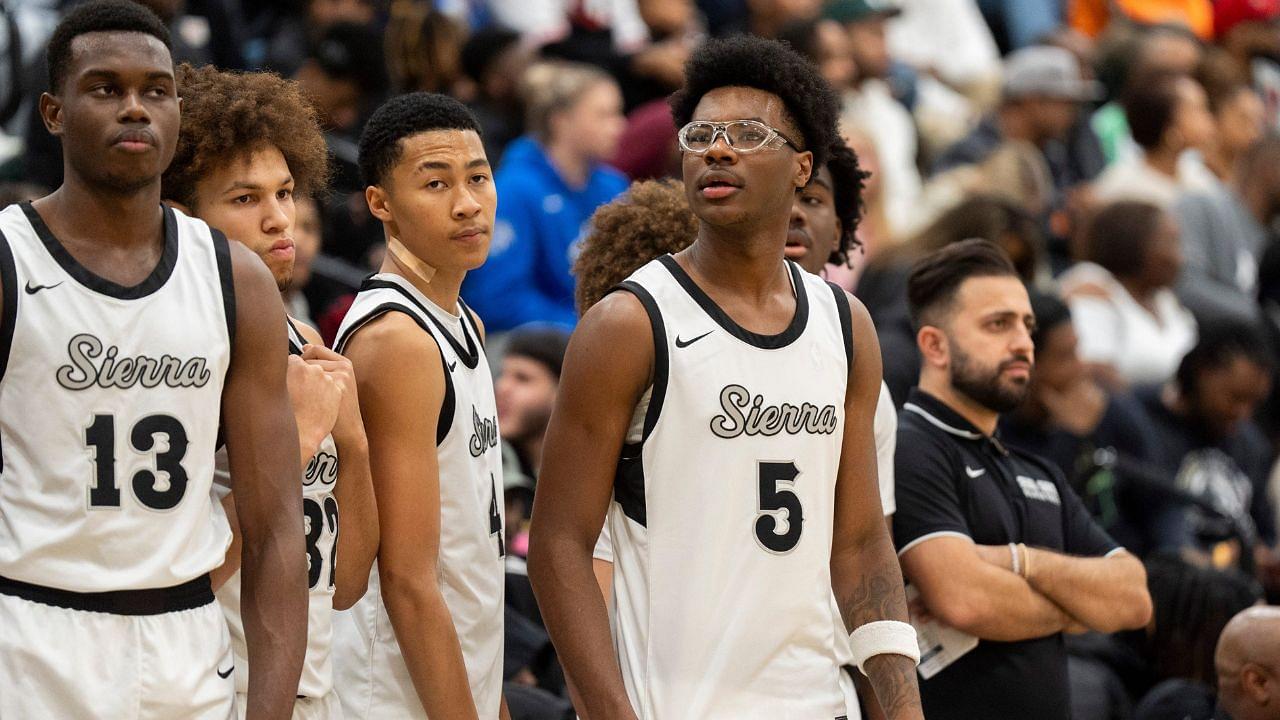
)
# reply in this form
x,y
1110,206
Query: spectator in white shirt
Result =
x,y
1132,328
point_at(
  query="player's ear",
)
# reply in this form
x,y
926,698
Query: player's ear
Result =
x,y
377,199
51,113
804,169
934,348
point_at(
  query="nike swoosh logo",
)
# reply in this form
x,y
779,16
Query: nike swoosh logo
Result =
x,y
227,674
453,365
974,472
686,343
33,289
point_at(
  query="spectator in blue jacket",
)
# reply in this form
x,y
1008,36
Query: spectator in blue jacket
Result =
x,y
549,184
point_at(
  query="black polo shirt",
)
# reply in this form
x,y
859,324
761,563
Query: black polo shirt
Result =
x,y
953,480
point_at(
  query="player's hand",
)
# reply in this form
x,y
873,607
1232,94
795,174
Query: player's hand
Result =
x,y
349,426
316,399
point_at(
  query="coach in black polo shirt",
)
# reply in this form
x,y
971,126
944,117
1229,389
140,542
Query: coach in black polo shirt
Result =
x,y
995,541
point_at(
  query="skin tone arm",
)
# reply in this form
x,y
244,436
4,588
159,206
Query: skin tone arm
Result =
x,y
315,400
262,447
358,511
963,590
607,367
864,570
1106,594
871,709
400,399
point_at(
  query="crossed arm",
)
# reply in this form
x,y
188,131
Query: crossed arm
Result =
x,y
973,588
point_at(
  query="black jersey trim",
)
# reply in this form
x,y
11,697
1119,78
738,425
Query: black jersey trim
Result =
x,y
628,479
448,404
294,347
226,277
155,601
709,306
86,277
846,321
9,318
470,314
470,355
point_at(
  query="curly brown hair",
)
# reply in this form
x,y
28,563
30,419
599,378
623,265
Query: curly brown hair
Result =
x,y
652,218
228,114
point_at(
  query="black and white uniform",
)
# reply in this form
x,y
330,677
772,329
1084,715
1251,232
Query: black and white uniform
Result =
x,y
723,513
316,699
110,399
371,677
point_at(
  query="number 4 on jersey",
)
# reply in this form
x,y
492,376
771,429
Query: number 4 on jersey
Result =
x,y
495,518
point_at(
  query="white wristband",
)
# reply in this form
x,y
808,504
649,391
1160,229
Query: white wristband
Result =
x,y
1016,561
884,637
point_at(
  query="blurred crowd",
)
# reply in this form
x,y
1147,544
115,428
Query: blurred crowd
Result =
x,y
1125,153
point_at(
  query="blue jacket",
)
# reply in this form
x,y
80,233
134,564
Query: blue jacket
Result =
x,y
540,222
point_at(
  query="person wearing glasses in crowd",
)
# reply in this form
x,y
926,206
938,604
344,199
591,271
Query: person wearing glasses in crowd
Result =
x,y
746,508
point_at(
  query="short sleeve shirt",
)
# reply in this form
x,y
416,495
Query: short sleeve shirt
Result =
x,y
957,481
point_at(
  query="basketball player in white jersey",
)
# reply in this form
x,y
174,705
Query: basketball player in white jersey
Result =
x,y
427,639
250,142
746,502
124,357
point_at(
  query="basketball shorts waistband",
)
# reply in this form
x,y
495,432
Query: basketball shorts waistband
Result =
x,y
154,601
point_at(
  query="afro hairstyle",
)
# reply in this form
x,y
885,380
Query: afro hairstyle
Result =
x,y
771,66
651,219
847,180
99,16
402,117
227,115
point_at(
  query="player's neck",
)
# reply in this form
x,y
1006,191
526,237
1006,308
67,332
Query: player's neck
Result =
x,y
76,211
746,262
443,288
980,416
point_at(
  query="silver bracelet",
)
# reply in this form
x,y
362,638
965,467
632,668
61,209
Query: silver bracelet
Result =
x,y
1017,563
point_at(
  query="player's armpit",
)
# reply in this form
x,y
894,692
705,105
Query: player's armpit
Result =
x,y
401,385
262,448
608,366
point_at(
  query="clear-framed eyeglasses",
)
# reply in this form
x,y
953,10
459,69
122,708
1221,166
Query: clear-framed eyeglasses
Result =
x,y
743,136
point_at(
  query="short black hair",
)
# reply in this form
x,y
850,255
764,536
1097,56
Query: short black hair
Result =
x,y
99,16
401,117
354,53
936,277
1219,344
543,343
1050,313
847,180
771,66
1150,103
484,48
1118,236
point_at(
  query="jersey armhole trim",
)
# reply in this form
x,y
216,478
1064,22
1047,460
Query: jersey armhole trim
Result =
x,y
661,360
222,253
445,421
846,321
9,319
469,355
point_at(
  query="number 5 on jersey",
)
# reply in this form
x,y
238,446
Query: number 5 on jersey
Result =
x,y
776,481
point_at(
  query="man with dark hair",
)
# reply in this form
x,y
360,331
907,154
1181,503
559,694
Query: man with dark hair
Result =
x,y
680,400
419,359
126,361
995,541
249,142
1211,447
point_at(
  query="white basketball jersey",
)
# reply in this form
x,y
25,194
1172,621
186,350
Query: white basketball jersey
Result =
x,y
109,410
320,523
723,513
373,680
